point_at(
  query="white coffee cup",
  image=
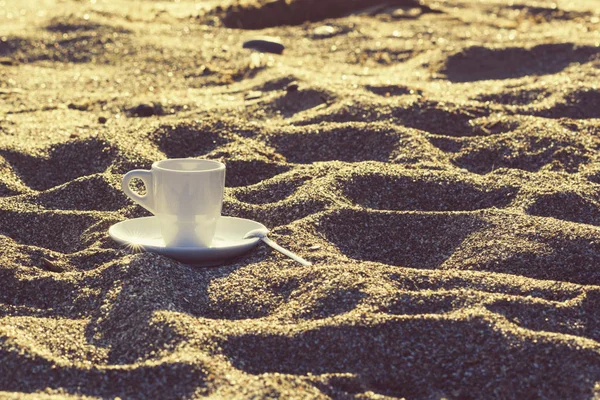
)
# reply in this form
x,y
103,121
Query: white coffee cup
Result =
x,y
186,195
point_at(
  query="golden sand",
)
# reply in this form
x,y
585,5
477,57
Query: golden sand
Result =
x,y
438,164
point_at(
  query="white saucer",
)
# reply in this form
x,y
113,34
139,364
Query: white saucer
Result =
x,y
144,234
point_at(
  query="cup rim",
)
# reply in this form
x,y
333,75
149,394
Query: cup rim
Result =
x,y
217,165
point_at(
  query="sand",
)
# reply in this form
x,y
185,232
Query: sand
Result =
x,y
438,163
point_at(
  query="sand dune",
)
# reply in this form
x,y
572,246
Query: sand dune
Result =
x,y
436,161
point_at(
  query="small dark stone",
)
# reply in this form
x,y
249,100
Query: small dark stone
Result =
x,y
292,87
51,266
102,120
144,110
80,107
265,45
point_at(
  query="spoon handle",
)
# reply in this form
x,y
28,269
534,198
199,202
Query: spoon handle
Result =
x,y
288,253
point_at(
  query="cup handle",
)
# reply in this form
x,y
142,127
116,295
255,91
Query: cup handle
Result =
x,y
147,200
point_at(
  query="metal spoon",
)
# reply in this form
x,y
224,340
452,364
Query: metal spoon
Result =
x,y
262,235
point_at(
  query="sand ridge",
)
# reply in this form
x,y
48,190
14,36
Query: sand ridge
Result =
x,y
436,161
